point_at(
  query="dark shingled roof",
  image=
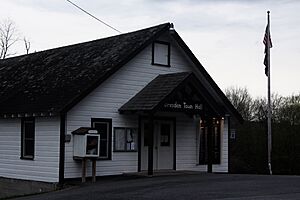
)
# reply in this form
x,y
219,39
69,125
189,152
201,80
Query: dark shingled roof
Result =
x,y
155,92
54,80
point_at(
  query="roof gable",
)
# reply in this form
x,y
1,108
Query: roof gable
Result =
x,y
183,87
54,80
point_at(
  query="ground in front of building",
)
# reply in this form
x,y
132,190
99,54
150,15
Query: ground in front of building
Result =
x,y
14,187
182,185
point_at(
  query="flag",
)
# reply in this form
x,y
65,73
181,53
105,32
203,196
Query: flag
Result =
x,y
268,44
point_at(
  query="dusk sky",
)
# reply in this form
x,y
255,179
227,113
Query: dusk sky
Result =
x,y
225,35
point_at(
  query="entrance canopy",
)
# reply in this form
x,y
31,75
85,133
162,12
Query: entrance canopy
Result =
x,y
176,92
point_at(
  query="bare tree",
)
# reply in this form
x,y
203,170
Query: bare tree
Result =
x,y
260,109
8,36
284,109
290,110
242,101
27,45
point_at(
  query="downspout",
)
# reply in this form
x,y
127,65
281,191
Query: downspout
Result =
x,y
62,149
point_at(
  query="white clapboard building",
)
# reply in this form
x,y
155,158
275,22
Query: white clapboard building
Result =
x,y
150,99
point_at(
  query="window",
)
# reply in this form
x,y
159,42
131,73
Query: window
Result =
x,y
104,127
165,132
203,151
125,139
161,53
27,138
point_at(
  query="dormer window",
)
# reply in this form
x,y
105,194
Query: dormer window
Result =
x,y
161,53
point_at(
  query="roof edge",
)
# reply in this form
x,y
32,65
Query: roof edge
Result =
x,y
80,43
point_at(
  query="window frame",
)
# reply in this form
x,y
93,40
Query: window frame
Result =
x,y
109,136
169,53
23,138
125,131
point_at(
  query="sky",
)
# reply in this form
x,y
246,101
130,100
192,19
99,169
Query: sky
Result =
x,y
225,35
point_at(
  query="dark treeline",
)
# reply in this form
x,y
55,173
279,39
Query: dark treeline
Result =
x,y
248,151
284,109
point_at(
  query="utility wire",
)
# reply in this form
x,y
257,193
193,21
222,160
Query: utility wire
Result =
x,y
93,16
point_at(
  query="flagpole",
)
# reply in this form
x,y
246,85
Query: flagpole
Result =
x,y
269,99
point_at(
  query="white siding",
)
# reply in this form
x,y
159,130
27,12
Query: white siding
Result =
x,y
105,101
187,151
44,167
